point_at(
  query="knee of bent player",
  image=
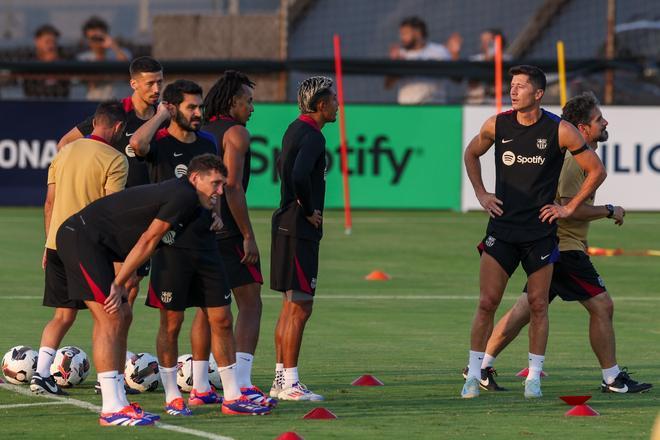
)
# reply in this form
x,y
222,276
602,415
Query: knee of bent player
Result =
x,y
488,304
538,306
602,305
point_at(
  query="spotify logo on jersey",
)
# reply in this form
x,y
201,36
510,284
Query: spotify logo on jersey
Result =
x,y
180,170
508,158
130,152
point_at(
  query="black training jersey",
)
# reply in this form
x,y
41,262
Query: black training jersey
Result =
x,y
301,168
117,221
137,170
528,161
168,158
218,126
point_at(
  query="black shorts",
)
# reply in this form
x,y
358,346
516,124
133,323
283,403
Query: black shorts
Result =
x,y
239,274
143,270
56,292
88,265
574,278
533,255
182,278
294,264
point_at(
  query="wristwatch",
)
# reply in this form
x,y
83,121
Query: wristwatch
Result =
x,y
610,210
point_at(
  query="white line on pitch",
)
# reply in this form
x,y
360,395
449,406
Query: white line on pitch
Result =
x,y
94,408
24,405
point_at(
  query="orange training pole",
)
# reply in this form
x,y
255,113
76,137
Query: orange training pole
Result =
x,y
498,72
348,224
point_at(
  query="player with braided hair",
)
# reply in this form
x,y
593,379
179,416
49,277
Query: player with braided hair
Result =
x,y
297,229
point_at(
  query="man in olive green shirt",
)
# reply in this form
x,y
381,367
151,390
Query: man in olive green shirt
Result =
x,y
574,276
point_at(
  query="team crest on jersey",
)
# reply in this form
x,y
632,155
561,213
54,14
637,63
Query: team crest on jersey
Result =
x,y
490,241
165,296
180,170
169,237
541,144
130,152
313,283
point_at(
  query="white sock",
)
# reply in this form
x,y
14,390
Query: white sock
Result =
x,y
474,365
200,376
290,377
121,390
168,377
535,366
244,367
488,361
279,374
46,358
609,374
111,400
229,382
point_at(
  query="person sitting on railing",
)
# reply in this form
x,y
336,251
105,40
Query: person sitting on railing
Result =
x,y
102,47
46,49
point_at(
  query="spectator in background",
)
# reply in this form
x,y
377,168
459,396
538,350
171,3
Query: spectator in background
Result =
x,y
47,50
413,45
479,92
102,47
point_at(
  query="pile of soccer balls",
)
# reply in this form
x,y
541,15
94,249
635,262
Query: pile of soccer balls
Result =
x,y
70,366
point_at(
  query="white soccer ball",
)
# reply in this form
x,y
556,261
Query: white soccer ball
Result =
x,y
19,364
214,375
70,366
142,373
129,355
184,372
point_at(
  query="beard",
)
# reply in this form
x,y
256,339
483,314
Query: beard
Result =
x,y
604,136
185,124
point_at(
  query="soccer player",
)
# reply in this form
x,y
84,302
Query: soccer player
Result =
x,y
146,82
127,226
86,170
228,106
189,273
297,228
574,276
529,152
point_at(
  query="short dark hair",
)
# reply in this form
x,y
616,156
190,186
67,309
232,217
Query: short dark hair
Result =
x,y
204,163
218,99
144,65
415,23
174,92
578,109
108,113
536,75
95,22
46,29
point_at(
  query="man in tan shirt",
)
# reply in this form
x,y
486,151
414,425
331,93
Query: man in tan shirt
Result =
x,y
574,276
83,171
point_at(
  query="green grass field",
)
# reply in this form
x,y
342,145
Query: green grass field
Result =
x,y
411,332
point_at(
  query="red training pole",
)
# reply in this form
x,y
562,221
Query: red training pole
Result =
x,y
498,72
348,224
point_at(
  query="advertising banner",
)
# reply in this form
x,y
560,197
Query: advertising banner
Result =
x,y
631,157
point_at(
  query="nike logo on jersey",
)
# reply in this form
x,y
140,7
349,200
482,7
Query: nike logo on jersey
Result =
x,y
544,257
129,134
178,154
227,296
506,141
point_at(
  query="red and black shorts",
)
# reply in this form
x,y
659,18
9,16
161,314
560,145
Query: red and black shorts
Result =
x,y
574,278
294,264
239,274
56,292
182,278
533,254
88,265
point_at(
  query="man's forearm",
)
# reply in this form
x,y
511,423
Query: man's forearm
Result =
x,y
238,206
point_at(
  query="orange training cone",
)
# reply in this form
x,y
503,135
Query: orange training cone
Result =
x,y
525,371
378,275
582,411
289,436
319,413
367,380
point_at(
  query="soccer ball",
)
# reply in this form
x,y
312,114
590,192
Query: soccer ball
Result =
x,y
214,374
19,364
130,355
70,367
141,372
184,372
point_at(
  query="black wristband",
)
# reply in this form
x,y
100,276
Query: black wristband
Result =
x,y
610,210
